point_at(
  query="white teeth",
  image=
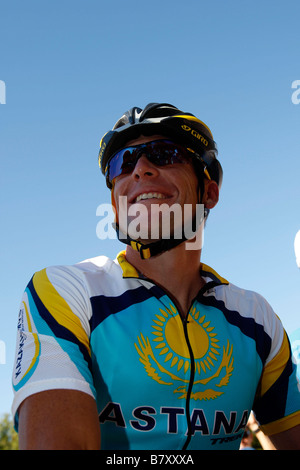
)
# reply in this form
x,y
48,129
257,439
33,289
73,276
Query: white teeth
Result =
x,y
150,196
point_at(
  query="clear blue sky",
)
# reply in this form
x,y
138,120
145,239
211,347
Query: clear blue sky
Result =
x,y
72,67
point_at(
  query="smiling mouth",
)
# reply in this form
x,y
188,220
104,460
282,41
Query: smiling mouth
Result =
x,y
150,196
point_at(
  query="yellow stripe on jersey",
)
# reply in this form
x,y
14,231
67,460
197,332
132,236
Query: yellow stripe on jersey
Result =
x,y
282,424
58,307
275,367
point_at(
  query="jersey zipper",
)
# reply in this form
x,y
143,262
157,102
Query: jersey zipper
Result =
x,y
191,382
185,322
192,364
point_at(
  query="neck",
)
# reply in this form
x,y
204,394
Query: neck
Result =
x,y
177,271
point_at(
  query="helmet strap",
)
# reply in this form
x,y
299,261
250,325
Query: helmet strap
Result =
x,y
147,250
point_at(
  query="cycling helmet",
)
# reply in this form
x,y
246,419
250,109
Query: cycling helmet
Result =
x,y
165,119
185,129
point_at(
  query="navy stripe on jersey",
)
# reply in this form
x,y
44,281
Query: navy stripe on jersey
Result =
x,y
103,306
267,408
248,326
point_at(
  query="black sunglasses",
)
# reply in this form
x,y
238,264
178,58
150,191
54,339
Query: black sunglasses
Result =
x,y
159,152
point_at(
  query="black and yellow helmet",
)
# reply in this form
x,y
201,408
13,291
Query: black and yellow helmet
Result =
x,y
165,119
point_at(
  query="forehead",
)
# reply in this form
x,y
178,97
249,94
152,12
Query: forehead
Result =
x,y
143,139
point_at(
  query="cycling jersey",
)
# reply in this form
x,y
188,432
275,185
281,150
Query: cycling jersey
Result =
x,y
160,381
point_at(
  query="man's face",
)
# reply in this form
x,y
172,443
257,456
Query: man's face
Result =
x,y
149,189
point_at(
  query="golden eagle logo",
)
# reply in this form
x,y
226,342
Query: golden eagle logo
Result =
x,y
166,357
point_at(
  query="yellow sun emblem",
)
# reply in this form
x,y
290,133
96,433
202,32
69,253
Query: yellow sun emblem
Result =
x,y
167,360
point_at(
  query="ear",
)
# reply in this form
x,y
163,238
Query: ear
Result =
x,y
211,194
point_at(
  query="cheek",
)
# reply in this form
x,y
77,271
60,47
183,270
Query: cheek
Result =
x,y
118,190
190,183
115,200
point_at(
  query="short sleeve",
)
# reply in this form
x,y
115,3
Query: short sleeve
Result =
x,y
52,346
277,405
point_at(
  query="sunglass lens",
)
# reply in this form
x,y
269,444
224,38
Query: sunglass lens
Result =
x,y
121,163
160,152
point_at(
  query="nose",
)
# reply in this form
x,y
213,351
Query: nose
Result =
x,y
144,169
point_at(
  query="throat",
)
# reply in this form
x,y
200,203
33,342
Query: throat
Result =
x,y
176,271
183,299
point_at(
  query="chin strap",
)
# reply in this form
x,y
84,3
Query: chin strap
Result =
x,y
148,250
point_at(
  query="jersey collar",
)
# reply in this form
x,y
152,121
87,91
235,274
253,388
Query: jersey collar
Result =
x,y
209,275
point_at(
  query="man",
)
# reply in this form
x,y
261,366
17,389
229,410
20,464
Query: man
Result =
x,y
155,346
252,430
247,440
